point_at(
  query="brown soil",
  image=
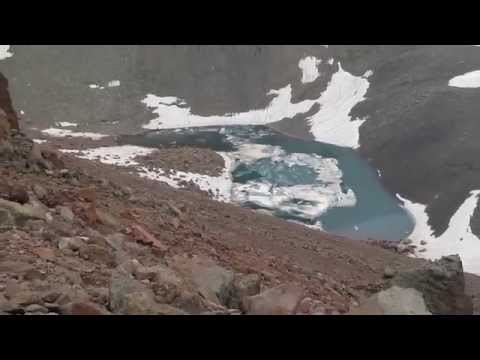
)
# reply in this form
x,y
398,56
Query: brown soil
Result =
x,y
187,159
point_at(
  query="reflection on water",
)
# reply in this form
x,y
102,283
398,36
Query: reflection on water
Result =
x,y
318,184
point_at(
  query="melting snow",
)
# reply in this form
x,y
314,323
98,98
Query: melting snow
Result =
x,y
331,124
66,124
457,239
220,186
65,133
4,52
110,84
309,67
113,83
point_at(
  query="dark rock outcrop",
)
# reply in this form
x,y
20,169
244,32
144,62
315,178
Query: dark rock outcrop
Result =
x,y
6,105
442,284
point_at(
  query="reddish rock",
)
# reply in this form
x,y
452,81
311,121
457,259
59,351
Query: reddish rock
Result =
x,y
142,236
44,253
88,194
83,308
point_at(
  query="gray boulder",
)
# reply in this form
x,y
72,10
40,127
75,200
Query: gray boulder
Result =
x,y
393,301
24,212
281,300
203,274
243,286
442,284
130,297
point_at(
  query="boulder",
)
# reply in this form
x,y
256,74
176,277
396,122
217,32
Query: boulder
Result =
x,y
167,284
66,214
44,253
212,281
130,297
442,284
281,300
71,243
36,308
243,286
393,301
6,218
82,308
107,219
24,212
39,191
389,272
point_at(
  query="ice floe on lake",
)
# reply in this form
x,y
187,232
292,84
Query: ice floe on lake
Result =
x,y
293,185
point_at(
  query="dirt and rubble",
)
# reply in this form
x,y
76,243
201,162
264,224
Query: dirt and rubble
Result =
x,y
108,242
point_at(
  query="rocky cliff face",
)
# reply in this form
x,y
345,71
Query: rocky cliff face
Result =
x,y
8,116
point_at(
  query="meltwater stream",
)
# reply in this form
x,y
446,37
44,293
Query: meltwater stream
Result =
x,y
320,185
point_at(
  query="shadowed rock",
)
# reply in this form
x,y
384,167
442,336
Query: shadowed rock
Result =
x,y
442,284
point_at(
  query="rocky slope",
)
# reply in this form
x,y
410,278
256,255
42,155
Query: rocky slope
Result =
x,y
79,237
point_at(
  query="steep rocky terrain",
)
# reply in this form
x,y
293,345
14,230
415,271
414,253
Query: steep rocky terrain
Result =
x,y
106,241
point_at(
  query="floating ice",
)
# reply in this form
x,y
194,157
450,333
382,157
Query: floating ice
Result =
x,y
297,186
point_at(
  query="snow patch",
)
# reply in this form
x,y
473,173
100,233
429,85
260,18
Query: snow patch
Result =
x,y
54,132
468,80
170,115
309,67
218,186
110,84
4,52
367,74
39,141
331,124
66,124
457,239
114,83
